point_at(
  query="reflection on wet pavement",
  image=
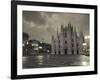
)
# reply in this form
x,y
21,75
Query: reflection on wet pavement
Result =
x,y
41,61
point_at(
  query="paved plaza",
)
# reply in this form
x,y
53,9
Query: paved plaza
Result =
x,y
42,61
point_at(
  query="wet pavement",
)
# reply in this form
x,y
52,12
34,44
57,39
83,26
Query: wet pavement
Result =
x,y
42,61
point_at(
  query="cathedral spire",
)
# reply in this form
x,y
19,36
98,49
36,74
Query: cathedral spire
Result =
x,y
82,36
62,28
57,30
75,29
69,24
52,37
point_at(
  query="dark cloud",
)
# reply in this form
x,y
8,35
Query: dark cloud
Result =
x,y
41,25
33,16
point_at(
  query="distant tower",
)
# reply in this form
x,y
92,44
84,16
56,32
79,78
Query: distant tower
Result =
x,y
57,43
74,40
69,39
62,40
53,45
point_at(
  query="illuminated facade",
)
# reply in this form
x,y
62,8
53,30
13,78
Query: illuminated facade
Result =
x,y
68,41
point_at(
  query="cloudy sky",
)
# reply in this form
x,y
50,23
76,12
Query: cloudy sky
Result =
x,y
42,25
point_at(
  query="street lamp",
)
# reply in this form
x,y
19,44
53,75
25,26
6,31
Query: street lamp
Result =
x,y
84,63
87,37
32,44
40,47
27,42
84,44
48,51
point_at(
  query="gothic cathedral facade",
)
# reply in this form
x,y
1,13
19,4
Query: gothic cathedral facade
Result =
x,y
68,41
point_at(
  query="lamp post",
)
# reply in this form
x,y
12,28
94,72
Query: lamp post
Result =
x,y
87,37
87,40
84,48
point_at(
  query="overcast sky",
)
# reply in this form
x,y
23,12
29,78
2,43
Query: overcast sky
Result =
x,y
42,25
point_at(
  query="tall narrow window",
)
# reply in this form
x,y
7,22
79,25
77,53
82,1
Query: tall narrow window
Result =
x,y
59,46
65,42
59,51
77,51
72,40
77,45
65,35
72,51
65,51
72,45
55,51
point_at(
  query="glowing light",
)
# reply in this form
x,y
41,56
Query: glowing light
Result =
x,y
27,43
84,63
40,63
40,57
32,44
40,47
87,37
84,44
48,51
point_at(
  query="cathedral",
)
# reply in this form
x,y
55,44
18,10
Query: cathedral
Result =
x,y
68,41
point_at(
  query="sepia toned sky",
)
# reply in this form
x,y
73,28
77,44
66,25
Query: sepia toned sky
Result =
x,y
42,25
